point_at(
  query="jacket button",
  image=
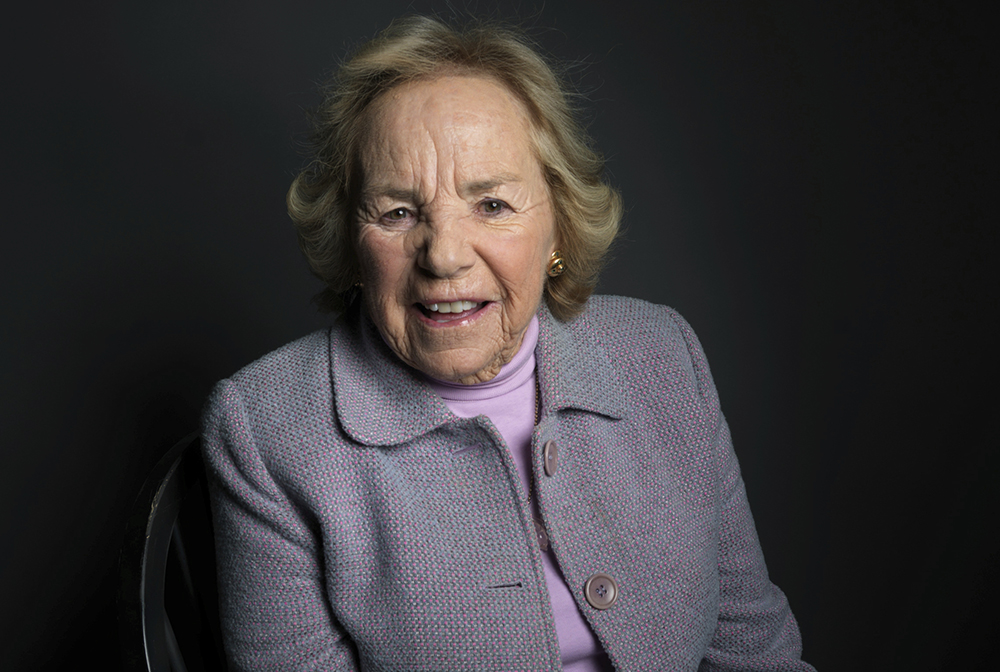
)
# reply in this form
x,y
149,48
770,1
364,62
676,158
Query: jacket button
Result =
x,y
601,591
551,456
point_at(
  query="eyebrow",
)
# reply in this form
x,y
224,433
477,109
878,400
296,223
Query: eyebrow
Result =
x,y
406,195
488,184
466,189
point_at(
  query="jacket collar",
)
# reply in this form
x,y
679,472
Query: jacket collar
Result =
x,y
381,401
574,367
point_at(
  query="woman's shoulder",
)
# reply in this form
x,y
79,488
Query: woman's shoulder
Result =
x,y
290,364
646,335
628,318
296,373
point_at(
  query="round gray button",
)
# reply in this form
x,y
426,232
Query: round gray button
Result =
x,y
551,456
601,591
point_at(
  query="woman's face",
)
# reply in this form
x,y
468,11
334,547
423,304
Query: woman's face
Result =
x,y
455,226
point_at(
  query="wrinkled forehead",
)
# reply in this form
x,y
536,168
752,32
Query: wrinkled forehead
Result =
x,y
433,119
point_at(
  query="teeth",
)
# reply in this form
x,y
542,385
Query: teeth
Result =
x,y
453,307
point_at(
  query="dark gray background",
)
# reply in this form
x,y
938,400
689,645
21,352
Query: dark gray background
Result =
x,y
808,183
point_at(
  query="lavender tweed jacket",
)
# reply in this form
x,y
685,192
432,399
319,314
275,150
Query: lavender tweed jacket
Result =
x,y
361,525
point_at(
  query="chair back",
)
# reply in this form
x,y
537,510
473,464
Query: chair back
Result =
x,y
167,596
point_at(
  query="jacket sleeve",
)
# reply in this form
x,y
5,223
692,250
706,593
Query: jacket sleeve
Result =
x,y
755,631
273,605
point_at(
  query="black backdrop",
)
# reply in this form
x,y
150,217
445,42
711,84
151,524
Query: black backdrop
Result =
x,y
807,183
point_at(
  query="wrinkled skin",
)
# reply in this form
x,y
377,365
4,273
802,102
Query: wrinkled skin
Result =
x,y
454,208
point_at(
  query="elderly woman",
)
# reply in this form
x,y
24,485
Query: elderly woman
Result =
x,y
479,466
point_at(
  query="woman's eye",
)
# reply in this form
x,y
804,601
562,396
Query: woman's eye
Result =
x,y
396,214
492,206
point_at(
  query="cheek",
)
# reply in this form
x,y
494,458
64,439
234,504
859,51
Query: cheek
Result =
x,y
382,283
523,266
379,259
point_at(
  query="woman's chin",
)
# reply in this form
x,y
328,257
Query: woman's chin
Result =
x,y
469,348
463,368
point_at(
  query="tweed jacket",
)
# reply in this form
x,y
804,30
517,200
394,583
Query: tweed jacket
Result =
x,y
362,525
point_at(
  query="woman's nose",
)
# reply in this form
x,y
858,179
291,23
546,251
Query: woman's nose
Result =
x,y
446,250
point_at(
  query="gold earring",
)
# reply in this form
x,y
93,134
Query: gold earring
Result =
x,y
556,264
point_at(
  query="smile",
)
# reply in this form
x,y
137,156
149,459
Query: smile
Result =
x,y
444,312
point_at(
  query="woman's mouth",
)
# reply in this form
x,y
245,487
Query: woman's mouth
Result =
x,y
443,312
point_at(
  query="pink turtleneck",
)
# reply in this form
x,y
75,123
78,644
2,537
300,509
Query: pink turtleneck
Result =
x,y
509,402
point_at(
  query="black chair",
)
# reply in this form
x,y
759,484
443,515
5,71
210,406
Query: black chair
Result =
x,y
168,613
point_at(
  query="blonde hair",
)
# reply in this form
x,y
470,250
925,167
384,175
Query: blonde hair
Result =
x,y
322,200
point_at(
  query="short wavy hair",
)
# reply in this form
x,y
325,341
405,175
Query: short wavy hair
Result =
x,y
323,198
